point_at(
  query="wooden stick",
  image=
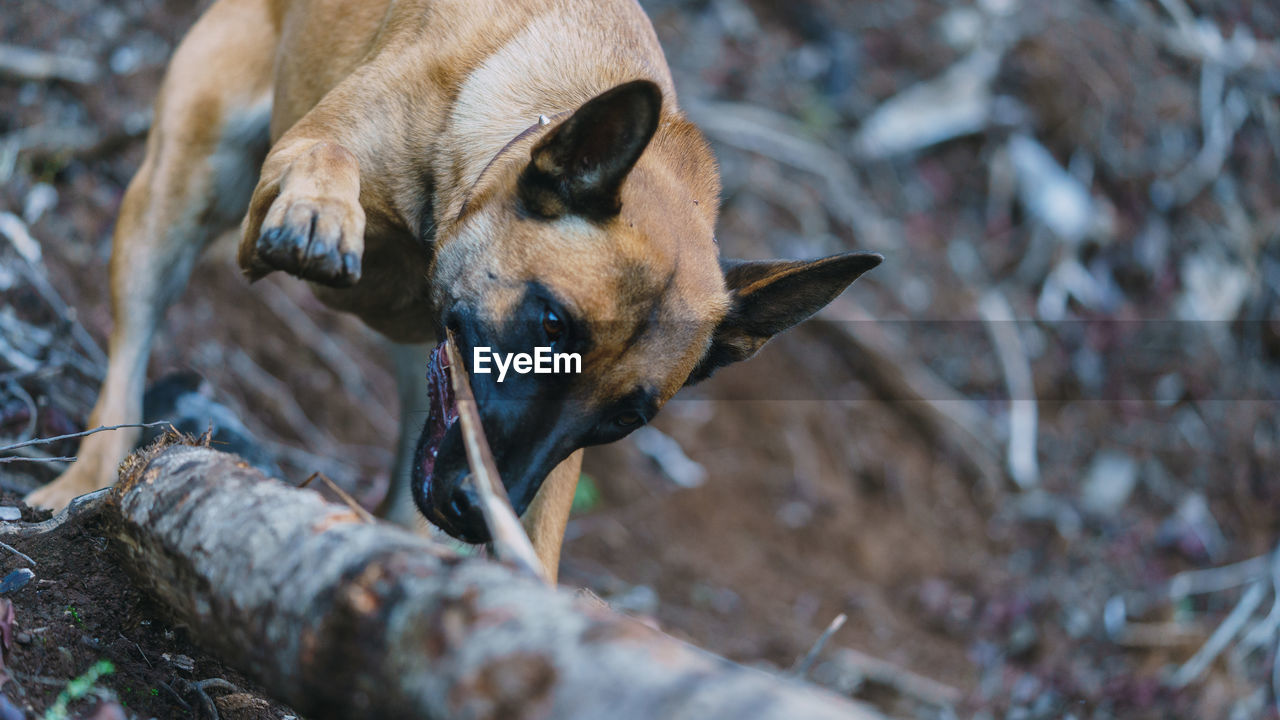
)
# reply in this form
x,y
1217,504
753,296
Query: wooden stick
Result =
x,y
24,458
343,495
904,681
17,552
945,413
46,441
79,508
510,542
13,229
31,64
804,663
997,315
1221,637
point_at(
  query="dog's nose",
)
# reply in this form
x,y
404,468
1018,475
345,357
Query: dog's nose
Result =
x,y
462,504
466,520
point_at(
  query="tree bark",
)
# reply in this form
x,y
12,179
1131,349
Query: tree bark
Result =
x,y
345,619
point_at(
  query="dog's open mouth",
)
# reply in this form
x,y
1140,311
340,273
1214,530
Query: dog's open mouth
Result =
x,y
444,413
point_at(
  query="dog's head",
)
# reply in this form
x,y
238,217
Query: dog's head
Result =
x,y
595,238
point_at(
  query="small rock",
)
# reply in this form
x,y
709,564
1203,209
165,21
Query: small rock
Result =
x,y
125,60
962,28
109,711
999,8
954,104
16,580
1110,482
795,514
1050,193
1193,531
964,258
670,457
1169,390
1215,287
641,600
1077,622
1023,638
182,662
41,199
242,704
12,227
10,513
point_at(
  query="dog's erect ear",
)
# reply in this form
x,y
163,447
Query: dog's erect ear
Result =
x,y
772,295
578,168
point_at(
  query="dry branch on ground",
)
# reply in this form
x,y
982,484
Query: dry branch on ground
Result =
x,y
342,619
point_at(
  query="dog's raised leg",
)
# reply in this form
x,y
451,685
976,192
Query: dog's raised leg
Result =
x,y
203,151
305,217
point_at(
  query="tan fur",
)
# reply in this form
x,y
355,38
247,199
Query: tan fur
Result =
x,y
548,514
374,108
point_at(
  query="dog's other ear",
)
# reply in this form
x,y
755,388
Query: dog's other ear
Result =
x,y
578,168
770,296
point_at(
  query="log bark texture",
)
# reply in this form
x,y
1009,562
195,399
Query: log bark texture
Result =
x,y
346,619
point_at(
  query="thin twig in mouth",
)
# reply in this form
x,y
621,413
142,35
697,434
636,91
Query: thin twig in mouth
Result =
x,y
510,542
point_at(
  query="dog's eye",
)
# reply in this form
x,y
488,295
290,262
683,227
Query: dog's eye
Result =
x,y
627,419
552,325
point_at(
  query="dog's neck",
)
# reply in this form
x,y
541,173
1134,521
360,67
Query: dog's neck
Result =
x,y
542,123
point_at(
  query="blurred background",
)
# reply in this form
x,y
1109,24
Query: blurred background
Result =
x,y
1032,457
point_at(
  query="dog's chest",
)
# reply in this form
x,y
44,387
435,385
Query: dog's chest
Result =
x,y
393,295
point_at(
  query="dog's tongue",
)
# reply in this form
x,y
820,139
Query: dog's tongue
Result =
x,y
444,411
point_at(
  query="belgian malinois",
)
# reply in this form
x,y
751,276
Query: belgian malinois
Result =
x,y
515,170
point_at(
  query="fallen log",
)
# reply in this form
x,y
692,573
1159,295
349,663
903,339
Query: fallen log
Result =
x,y
345,619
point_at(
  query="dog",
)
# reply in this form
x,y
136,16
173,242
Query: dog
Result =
x,y
516,171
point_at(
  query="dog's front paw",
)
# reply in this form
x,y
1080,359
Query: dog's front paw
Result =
x,y
312,224
84,476
54,496
314,238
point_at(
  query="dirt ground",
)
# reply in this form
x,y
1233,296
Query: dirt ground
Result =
x,y
835,482
80,609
